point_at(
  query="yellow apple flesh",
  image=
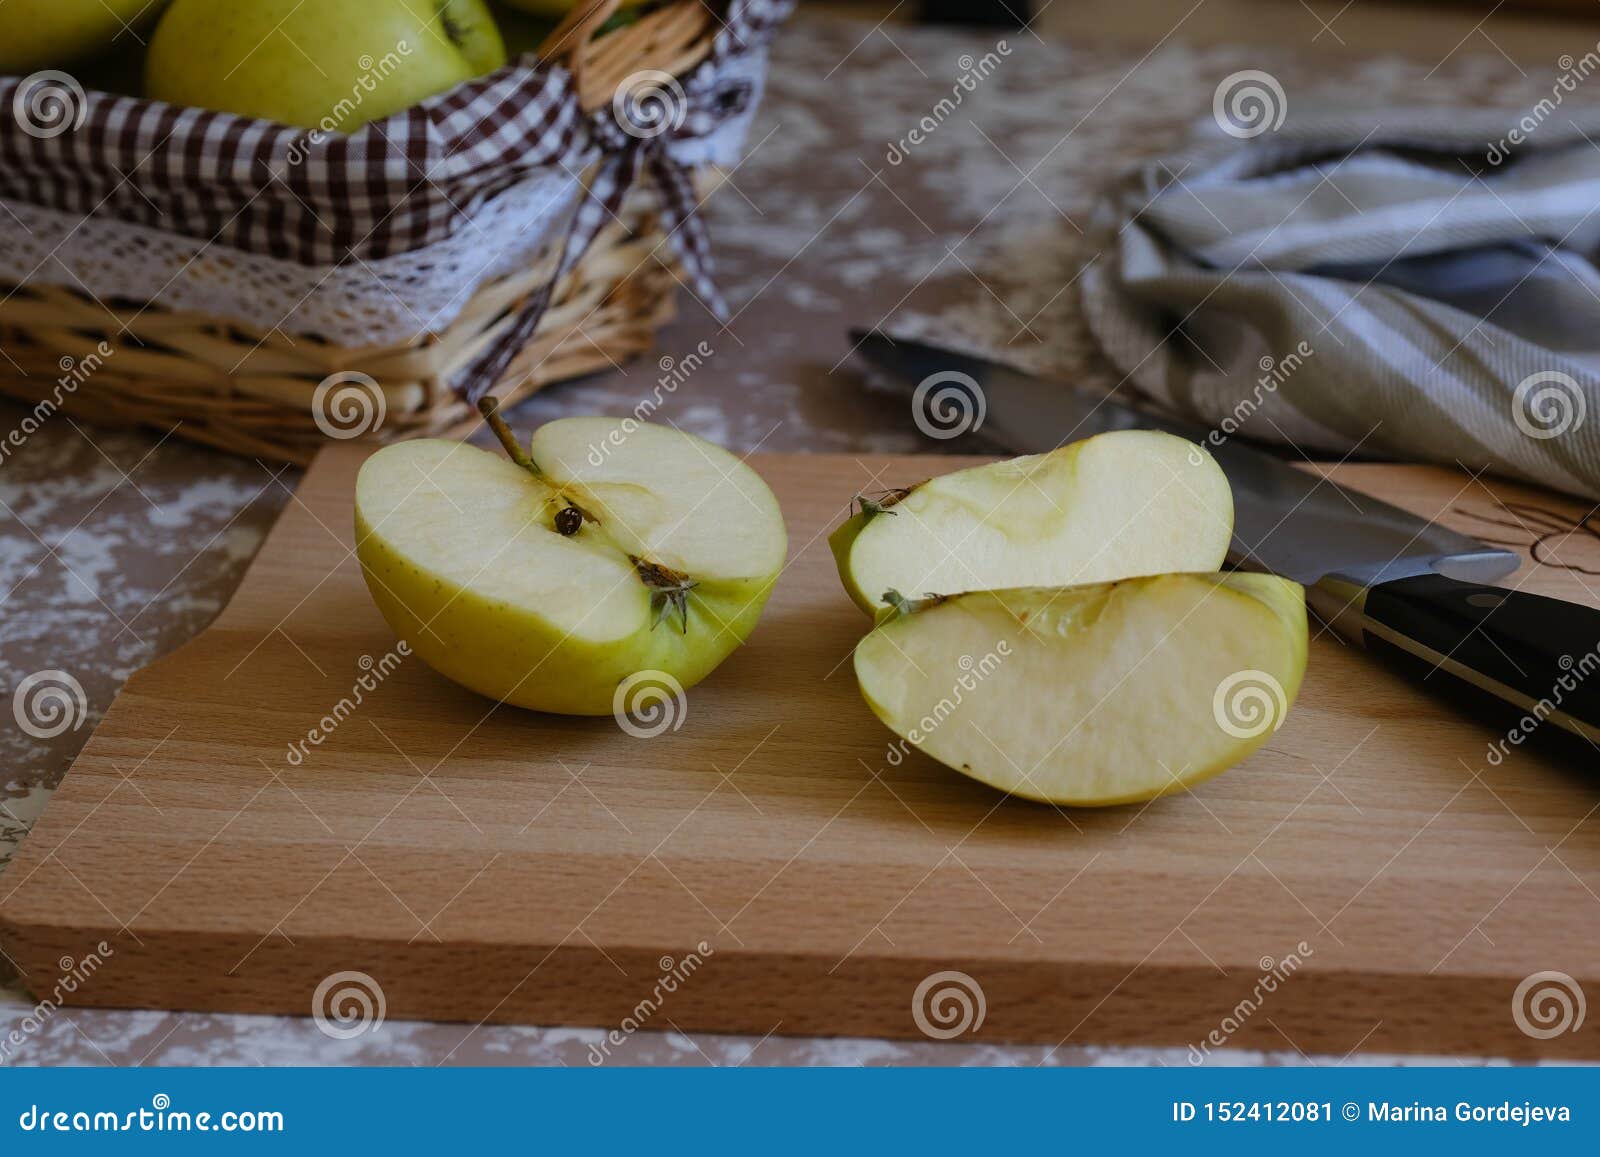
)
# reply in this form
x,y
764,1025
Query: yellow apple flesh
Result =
x,y
1131,502
670,562
1091,695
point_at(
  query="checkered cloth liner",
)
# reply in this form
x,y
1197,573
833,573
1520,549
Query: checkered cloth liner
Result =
x,y
302,195
391,186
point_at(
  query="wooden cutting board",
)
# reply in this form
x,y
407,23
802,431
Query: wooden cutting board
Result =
x,y
1370,879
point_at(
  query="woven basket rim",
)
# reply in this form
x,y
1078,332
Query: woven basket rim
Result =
x,y
229,384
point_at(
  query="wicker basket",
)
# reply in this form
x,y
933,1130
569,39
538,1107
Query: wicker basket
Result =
x,y
251,392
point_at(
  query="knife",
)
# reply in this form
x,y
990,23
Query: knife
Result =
x,y
1411,591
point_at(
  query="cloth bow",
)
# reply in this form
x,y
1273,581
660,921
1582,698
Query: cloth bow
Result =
x,y
644,133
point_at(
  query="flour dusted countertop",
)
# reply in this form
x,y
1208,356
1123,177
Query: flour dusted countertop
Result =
x,y
117,546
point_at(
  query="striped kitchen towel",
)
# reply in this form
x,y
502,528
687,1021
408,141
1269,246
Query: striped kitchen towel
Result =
x,y
1418,284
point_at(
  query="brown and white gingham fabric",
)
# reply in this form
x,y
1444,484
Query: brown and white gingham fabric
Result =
x,y
387,188
314,198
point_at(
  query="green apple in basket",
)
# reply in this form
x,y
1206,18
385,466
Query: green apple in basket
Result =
x,y
328,64
547,577
38,34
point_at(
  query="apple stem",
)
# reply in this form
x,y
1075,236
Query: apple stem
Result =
x,y
904,606
901,604
489,407
884,499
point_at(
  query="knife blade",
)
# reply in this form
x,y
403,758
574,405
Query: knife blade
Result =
x,y
1290,522
1405,587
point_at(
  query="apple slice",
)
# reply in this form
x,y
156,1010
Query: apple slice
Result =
x,y
1126,503
609,548
1090,695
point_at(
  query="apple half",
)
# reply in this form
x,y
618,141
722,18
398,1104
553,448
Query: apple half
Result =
x,y
1125,503
607,548
1091,695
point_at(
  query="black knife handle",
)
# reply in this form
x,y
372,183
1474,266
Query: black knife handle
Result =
x,y
1540,656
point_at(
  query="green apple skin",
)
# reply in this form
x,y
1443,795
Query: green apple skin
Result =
x,y
1105,695
37,34
301,63
839,542
513,655
478,626
1117,505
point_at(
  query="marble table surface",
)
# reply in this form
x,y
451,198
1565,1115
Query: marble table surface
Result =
x,y
117,545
